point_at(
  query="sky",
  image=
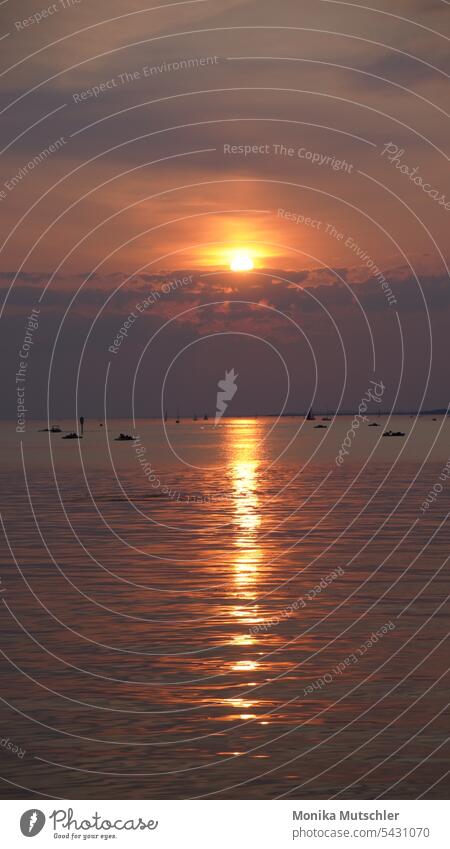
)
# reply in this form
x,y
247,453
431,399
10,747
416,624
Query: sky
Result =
x,y
144,147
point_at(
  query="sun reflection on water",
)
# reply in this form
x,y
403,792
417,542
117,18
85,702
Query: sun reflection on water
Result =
x,y
244,467
244,454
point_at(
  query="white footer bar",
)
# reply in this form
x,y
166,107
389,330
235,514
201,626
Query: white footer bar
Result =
x,y
225,824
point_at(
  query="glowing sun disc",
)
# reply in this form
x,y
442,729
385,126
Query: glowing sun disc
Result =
x,y
241,262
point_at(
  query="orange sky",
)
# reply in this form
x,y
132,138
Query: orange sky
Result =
x,y
177,166
144,143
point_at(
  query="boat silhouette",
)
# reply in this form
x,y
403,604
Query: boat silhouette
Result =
x,y
393,433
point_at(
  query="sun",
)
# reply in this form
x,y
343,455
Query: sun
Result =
x,y
241,261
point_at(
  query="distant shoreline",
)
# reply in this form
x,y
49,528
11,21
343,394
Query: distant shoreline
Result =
x,y
317,415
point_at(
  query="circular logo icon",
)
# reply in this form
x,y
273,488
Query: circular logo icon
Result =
x,y
32,822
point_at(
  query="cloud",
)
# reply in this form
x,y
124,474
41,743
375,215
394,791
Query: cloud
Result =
x,y
223,319
118,213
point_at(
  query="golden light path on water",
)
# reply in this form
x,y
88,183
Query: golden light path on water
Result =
x,y
247,558
239,693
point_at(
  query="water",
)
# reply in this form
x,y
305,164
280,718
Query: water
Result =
x,y
202,628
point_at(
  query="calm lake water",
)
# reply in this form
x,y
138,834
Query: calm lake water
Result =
x,y
201,626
